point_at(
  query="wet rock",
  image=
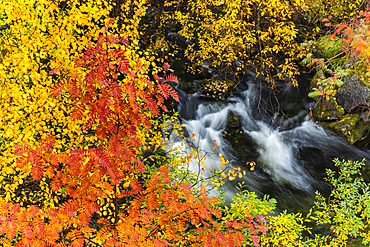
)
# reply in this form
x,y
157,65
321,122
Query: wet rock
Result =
x,y
220,104
351,127
352,94
233,121
243,145
187,108
328,111
364,142
177,39
286,123
215,89
189,87
345,114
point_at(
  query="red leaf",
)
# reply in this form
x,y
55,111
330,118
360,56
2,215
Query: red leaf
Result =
x,y
325,20
203,192
49,142
164,90
124,41
166,66
52,72
58,88
20,149
103,159
110,21
37,171
77,112
172,78
175,96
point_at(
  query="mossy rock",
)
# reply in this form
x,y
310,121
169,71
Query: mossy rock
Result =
x,y
351,127
221,104
352,94
243,145
233,120
216,89
328,111
365,82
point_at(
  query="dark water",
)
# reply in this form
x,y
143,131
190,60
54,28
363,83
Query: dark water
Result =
x,y
291,163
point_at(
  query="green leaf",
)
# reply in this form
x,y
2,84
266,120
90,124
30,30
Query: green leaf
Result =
x,y
339,82
314,94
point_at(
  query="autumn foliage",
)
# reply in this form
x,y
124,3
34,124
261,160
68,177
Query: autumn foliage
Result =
x,y
114,100
81,103
343,51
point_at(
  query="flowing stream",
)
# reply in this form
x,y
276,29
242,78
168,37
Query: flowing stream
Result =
x,y
290,164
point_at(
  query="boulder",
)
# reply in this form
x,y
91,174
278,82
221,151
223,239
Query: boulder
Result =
x,y
215,89
352,94
233,121
243,145
344,114
329,110
351,127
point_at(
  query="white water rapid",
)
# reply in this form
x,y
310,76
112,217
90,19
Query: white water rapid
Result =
x,y
290,163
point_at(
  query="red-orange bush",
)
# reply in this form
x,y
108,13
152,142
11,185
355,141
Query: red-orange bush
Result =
x,y
117,100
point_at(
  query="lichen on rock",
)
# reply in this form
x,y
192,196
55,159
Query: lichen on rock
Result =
x,y
216,89
329,110
351,127
352,94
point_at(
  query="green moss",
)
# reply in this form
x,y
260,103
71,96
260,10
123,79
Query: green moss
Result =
x,y
221,104
217,89
233,120
350,127
331,111
365,83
